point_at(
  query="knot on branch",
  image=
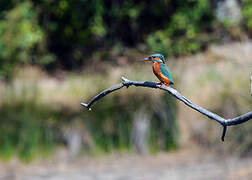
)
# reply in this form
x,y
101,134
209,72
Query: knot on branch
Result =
x,y
126,82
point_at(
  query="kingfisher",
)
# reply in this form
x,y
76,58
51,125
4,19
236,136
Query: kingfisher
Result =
x,y
160,69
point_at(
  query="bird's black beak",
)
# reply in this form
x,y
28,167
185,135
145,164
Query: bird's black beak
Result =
x,y
146,59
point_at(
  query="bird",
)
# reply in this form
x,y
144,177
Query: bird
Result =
x,y
160,69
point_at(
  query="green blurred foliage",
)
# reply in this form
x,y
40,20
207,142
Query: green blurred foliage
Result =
x,y
20,35
186,30
164,126
247,14
65,33
112,122
81,27
26,131
30,129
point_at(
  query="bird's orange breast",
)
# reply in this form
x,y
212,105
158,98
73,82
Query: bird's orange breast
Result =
x,y
158,73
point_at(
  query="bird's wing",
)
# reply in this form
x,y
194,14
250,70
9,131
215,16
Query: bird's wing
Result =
x,y
165,71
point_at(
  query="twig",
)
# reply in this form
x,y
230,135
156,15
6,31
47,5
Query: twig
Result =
x,y
224,122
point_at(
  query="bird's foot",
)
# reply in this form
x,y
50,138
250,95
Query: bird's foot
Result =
x,y
163,85
160,84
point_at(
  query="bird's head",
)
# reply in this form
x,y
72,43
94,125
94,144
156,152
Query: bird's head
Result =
x,y
154,58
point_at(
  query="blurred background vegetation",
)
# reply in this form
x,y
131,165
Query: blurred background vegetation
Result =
x,y
53,53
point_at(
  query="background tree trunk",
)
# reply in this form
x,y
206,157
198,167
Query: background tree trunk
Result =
x,y
140,131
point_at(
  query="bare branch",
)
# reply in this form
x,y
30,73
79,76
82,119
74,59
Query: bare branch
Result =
x,y
102,94
224,122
